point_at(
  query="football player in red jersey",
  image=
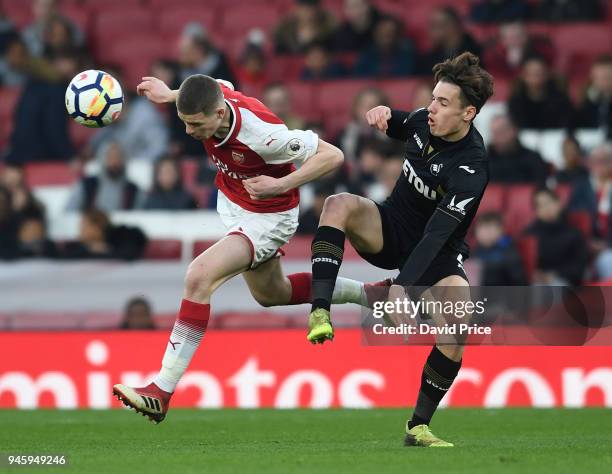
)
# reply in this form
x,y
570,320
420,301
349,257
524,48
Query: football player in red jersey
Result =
x,y
255,154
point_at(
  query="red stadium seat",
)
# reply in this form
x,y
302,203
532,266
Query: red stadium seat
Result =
x,y
337,96
579,44
173,18
111,23
518,210
582,221
77,14
400,91
163,250
49,174
286,69
528,250
298,248
493,199
303,99
80,135
245,17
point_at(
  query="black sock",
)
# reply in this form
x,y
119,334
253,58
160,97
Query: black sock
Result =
x,y
327,252
438,376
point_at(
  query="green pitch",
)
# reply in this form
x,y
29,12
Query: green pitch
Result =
x,y
334,441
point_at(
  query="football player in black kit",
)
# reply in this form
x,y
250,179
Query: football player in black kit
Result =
x,y
420,228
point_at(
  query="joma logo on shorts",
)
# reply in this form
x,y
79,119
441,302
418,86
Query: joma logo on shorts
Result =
x,y
325,260
417,182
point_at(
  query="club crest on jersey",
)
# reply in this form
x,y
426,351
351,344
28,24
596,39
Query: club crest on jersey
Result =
x,y
238,157
460,206
417,182
436,168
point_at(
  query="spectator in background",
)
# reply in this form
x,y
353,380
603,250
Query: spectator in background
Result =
x,y
538,101
43,30
8,36
386,178
8,226
576,175
319,64
448,38
198,55
505,57
168,192
500,259
600,165
99,239
23,202
595,110
422,96
499,11
356,32
509,161
568,10
252,72
562,252
309,220
307,22
142,131
357,131
137,315
42,98
33,241
278,99
391,54
110,190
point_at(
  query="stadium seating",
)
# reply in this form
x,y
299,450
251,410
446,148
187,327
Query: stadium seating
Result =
x,y
169,249
528,250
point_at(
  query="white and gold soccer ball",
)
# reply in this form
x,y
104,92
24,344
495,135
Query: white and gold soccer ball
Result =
x,y
94,98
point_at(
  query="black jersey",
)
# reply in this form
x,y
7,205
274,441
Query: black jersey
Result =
x,y
437,195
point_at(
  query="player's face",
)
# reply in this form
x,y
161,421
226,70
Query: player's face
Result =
x,y
448,116
200,126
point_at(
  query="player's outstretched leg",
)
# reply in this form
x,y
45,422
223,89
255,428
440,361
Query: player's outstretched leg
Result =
x,y
440,370
227,258
343,214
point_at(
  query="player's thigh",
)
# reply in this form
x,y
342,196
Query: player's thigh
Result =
x,y
363,224
225,259
268,284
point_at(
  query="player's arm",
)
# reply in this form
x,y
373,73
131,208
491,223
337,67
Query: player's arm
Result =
x,y
325,159
464,192
395,123
157,90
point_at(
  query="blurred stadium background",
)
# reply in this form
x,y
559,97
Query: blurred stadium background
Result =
x,y
97,226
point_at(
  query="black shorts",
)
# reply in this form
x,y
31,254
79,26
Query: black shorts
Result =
x,y
398,244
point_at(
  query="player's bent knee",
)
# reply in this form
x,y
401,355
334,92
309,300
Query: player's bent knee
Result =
x,y
198,281
265,299
338,207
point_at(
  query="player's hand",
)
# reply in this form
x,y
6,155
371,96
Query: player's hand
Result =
x,y
378,116
155,90
263,187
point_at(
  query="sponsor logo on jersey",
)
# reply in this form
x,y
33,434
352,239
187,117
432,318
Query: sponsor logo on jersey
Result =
x,y
225,170
460,206
325,260
418,140
436,168
417,182
467,168
238,157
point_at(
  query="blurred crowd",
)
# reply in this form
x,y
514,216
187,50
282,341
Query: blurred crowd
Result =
x,y
368,40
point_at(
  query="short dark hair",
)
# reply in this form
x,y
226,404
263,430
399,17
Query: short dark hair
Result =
x,y
491,217
199,93
465,71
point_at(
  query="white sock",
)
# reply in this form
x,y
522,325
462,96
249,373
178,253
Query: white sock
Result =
x,y
349,291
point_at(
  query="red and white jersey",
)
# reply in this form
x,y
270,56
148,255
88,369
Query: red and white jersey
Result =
x,y
258,143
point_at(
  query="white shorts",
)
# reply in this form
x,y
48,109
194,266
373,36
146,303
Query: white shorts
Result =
x,y
267,233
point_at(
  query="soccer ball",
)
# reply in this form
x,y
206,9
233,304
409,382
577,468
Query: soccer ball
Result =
x,y
94,98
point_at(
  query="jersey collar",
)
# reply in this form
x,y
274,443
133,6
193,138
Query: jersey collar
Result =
x,y
235,126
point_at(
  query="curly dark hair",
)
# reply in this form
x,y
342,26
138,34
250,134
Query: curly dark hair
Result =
x,y
465,71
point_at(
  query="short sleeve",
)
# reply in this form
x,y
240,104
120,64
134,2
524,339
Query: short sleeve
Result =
x,y
288,146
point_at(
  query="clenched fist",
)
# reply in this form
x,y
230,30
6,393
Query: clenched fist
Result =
x,y
378,116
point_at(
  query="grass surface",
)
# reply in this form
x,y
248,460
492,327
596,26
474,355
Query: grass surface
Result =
x,y
288,441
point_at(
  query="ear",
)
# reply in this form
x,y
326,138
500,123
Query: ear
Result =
x,y
469,113
221,112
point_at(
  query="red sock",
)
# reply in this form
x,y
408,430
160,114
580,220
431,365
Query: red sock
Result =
x,y
194,314
300,288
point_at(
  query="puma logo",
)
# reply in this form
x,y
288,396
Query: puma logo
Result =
x,y
174,344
